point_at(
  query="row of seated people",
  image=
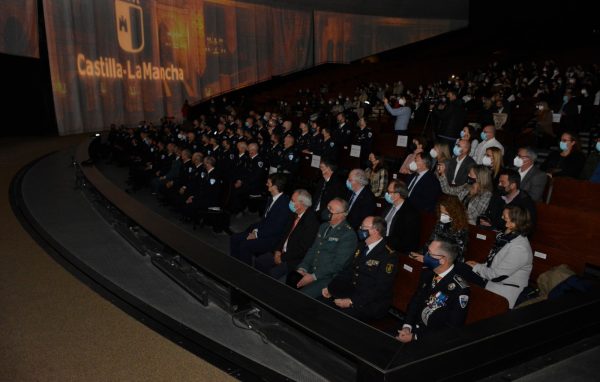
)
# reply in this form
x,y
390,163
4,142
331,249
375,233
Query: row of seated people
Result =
x,y
353,267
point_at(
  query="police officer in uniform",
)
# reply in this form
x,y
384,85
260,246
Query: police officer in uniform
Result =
x,y
290,159
441,299
328,147
364,139
364,289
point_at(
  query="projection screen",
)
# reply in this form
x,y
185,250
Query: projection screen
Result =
x,y
19,28
124,61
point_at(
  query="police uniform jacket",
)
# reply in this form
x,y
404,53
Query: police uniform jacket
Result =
x,y
328,255
368,281
440,307
290,161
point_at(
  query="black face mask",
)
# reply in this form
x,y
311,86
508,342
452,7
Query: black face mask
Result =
x,y
471,181
412,147
502,191
326,215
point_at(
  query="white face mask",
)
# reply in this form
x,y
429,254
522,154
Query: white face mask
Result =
x,y
518,162
412,166
433,153
486,161
445,218
402,101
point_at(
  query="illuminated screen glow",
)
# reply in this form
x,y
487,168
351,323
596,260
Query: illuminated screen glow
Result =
x,y
123,61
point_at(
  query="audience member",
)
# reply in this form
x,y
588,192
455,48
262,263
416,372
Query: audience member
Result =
x,y
330,252
475,194
361,201
364,288
509,263
441,299
417,146
569,161
458,167
533,180
329,186
402,114
423,186
377,174
402,219
488,139
264,236
300,234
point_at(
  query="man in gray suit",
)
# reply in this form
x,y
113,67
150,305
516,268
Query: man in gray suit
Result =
x,y
331,251
533,180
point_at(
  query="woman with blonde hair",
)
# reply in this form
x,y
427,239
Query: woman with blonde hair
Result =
x,y
475,194
440,154
494,160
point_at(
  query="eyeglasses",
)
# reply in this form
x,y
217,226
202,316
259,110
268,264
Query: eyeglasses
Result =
x,y
366,227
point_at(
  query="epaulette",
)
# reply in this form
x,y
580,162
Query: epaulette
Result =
x,y
461,282
390,250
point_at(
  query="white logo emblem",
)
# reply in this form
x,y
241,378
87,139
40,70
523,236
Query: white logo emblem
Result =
x,y
129,20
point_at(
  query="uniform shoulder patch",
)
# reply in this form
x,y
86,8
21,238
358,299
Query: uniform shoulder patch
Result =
x,y
461,282
390,250
389,268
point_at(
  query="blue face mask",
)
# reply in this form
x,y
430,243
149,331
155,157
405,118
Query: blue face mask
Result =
x,y
430,262
462,134
292,207
349,185
363,234
456,150
565,99
388,198
483,136
563,146
597,146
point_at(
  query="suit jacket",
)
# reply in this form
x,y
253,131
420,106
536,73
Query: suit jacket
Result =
x,y
534,183
441,307
334,188
328,255
300,239
497,205
463,171
426,192
405,228
368,281
272,225
363,206
514,260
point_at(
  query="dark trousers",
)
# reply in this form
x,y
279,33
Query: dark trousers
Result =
x,y
266,264
245,250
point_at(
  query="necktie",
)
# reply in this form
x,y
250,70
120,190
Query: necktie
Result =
x,y
290,234
412,184
435,280
351,201
389,217
327,231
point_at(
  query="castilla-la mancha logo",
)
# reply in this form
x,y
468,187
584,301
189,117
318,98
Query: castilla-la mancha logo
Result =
x,y
130,25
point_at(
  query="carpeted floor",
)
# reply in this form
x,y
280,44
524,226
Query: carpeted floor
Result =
x,y
53,327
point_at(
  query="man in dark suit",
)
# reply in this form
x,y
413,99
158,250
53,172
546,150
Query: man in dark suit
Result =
x,y
533,180
423,186
403,220
364,288
457,168
441,299
329,186
264,236
508,193
361,201
300,234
